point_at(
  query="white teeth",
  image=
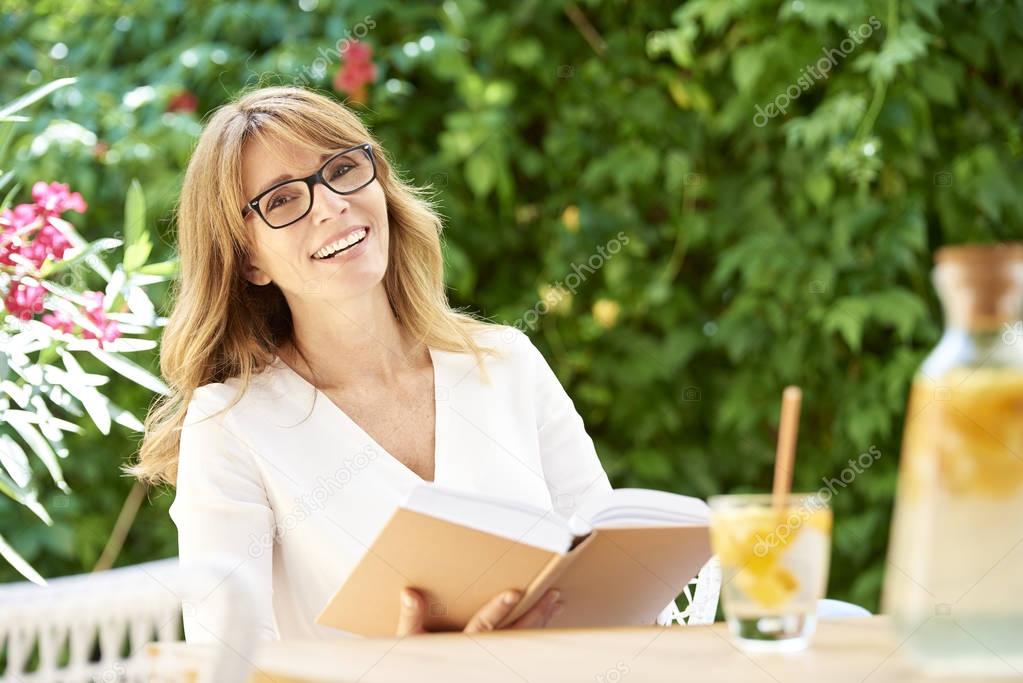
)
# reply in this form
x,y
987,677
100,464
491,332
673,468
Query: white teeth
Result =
x,y
340,244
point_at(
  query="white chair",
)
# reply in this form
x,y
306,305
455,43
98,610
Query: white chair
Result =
x,y
703,592
702,598
95,628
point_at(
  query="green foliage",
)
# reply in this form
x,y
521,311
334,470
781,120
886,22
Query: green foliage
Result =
x,y
796,251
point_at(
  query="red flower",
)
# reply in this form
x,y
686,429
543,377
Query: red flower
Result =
x,y
183,101
357,71
24,300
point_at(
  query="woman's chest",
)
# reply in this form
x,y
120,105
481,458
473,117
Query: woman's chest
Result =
x,y
402,423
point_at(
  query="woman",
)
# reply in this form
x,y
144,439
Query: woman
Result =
x,y
318,373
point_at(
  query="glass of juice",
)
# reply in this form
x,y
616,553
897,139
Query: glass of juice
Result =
x,y
774,557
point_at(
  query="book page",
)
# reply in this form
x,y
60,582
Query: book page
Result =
x,y
640,507
500,516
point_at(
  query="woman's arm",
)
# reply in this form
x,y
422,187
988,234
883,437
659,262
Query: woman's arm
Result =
x,y
568,456
225,530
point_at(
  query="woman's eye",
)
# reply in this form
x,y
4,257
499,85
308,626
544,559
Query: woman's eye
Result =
x,y
341,170
278,202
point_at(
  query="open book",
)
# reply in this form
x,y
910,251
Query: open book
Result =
x,y
618,560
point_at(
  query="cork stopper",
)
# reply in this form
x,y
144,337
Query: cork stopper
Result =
x,y
980,285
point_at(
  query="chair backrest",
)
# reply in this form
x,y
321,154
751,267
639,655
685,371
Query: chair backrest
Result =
x,y
95,628
702,598
87,627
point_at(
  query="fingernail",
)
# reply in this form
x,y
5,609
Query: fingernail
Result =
x,y
407,599
555,594
511,597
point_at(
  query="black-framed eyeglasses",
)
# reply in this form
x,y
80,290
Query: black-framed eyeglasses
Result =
x,y
289,201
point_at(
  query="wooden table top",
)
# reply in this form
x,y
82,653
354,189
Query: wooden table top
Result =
x,y
857,650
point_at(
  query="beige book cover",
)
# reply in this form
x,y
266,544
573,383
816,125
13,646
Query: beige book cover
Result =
x,y
612,575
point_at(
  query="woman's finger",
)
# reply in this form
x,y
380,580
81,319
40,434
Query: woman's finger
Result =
x,y
410,617
539,614
491,614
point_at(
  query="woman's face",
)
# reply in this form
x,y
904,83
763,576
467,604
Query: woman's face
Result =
x,y
285,256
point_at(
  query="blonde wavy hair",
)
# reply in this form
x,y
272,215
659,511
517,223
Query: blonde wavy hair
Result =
x,y
221,325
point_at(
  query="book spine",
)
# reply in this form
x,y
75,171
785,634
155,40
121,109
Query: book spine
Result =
x,y
546,579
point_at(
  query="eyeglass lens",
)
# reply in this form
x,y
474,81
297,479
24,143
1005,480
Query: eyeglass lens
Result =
x,y
345,173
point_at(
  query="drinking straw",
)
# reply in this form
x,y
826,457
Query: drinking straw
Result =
x,y
785,456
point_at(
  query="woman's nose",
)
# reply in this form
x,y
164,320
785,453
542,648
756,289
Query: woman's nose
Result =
x,y
326,203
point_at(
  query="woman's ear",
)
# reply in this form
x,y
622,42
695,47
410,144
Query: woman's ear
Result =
x,y
255,275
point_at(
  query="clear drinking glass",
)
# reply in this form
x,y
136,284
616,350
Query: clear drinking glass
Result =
x,y
774,559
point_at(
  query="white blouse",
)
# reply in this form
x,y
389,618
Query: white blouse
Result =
x,y
283,495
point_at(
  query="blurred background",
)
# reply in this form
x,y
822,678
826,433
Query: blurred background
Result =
x,y
687,206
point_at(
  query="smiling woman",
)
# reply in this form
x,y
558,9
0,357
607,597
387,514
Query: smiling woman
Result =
x,y
311,337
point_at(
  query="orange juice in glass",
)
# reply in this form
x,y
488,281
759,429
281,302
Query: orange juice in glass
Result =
x,y
774,555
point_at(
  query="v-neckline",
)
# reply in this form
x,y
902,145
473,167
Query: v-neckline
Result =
x,y
439,417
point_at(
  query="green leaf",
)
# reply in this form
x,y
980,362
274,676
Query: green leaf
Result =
x,y
19,563
14,461
481,174
24,496
6,135
136,255
136,238
163,268
820,188
50,268
21,421
747,66
938,85
904,47
136,373
37,94
847,317
900,308
9,197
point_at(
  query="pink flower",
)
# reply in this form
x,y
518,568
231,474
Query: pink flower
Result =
x,y
109,330
19,218
54,199
55,241
95,301
24,300
59,320
357,71
18,225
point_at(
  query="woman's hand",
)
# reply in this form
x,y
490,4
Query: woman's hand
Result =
x,y
413,609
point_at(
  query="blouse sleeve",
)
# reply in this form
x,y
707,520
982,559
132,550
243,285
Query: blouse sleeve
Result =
x,y
225,530
568,456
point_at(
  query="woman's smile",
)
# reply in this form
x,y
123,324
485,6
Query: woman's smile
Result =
x,y
349,252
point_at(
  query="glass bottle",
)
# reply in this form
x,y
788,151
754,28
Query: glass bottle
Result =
x,y
954,576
